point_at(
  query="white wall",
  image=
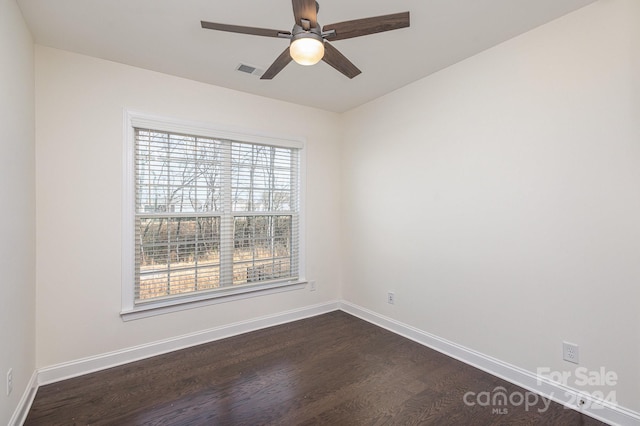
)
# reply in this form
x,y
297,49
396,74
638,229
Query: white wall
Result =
x,y
506,219
79,127
500,198
17,209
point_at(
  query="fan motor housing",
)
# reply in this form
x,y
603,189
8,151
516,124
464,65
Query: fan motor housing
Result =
x,y
298,32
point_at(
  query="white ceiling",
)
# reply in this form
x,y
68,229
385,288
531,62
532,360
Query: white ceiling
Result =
x,y
165,36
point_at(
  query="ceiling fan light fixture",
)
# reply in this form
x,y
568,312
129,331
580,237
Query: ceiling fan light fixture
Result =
x,y
307,49
307,38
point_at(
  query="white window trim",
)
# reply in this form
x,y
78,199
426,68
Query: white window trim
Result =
x,y
134,119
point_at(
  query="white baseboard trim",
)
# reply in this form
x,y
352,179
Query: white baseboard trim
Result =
x,y
603,411
24,405
608,413
79,367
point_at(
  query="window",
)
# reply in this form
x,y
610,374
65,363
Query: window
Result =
x,y
214,214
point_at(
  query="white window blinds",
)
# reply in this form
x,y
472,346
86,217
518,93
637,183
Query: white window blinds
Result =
x,y
212,214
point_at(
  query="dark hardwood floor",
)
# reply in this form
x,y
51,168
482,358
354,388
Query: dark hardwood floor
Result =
x,y
333,369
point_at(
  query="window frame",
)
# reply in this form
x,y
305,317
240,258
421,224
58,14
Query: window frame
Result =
x,y
131,310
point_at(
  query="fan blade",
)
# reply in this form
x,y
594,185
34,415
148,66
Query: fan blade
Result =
x,y
279,64
366,26
337,60
243,30
305,9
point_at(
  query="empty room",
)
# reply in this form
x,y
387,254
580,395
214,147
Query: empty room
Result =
x,y
334,212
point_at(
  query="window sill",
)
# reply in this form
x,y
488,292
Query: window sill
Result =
x,y
161,307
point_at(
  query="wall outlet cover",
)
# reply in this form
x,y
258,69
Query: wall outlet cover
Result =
x,y
570,352
9,381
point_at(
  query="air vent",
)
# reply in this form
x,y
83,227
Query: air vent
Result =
x,y
249,69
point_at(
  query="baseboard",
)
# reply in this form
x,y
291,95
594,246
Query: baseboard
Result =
x,y
79,367
608,413
605,412
20,414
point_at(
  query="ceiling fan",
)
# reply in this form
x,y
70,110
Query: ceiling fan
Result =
x,y
308,44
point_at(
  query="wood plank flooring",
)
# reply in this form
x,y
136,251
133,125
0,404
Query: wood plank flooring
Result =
x,y
332,369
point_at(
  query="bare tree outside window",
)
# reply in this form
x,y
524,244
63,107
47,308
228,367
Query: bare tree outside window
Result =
x,y
187,188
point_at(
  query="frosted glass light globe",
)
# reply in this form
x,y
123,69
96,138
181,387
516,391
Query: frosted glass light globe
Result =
x,y
306,50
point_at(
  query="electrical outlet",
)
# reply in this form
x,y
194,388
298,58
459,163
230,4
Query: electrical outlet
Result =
x,y
312,285
391,298
9,381
570,352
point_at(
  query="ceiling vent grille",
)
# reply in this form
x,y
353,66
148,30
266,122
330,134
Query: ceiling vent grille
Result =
x,y
249,69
